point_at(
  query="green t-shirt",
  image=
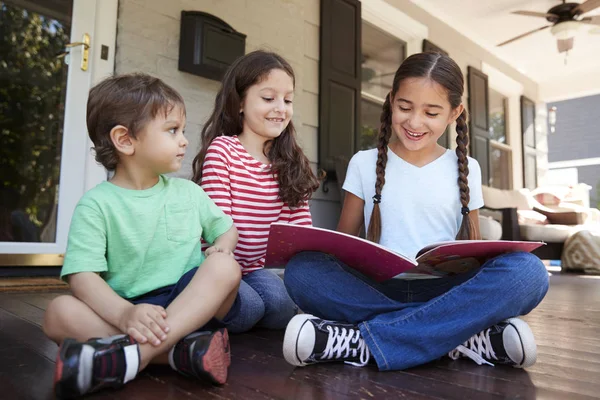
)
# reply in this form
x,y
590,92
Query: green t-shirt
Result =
x,y
141,240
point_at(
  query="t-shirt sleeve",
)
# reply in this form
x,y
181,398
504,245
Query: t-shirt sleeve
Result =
x,y
301,215
475,191
213,220
215,176
353,184
86,246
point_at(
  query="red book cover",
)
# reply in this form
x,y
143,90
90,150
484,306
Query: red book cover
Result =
x,y
380,263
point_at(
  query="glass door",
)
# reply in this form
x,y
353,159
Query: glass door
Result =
x,y
46,70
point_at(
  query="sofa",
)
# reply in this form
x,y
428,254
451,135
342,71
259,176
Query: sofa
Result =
x,y
524,217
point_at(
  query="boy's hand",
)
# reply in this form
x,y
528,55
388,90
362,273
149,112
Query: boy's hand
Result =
x,y
217,249
145,323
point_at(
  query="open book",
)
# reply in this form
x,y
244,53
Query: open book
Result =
x,y
380,263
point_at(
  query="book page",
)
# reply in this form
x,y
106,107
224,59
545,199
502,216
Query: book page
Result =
x,y
371,259
460,256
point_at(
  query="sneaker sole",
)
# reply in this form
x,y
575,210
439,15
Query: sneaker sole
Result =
x,y
529,347
217,359
290,340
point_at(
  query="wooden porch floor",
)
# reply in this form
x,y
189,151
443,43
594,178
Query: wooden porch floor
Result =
x,y
566,326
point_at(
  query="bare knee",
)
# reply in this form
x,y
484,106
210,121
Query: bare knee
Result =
x,y
224,268
57,315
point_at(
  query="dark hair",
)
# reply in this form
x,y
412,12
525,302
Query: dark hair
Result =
x,y
444,71
296,180
130,100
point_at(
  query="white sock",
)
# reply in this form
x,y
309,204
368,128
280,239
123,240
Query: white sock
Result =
x,y
132,361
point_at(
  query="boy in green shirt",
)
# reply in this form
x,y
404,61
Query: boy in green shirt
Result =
x,y
134,250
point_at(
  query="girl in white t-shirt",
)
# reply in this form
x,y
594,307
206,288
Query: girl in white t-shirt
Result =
x,y
409,192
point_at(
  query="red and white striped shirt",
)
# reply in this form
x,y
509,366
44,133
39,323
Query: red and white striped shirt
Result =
x,y
245,189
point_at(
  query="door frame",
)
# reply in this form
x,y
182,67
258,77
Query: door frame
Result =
x,y
79,170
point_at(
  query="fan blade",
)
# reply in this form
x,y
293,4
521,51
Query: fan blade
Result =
x,y
523,35
536,14
586,6
595,20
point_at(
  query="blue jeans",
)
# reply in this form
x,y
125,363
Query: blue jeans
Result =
x,y
261,301
411,322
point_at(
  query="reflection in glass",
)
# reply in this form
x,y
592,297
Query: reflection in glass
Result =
x,y
382,54
501,168
498,105
32,94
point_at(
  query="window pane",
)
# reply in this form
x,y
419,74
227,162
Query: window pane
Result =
x,y
32,100
497,116
501,161
381,57
370,112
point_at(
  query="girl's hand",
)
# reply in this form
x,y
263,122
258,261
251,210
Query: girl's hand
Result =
x,y
145,323
217,249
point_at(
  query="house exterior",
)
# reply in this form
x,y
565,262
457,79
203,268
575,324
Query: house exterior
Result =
x,y
333,113
574,146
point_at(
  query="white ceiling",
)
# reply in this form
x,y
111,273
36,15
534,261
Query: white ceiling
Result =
x,y
490,22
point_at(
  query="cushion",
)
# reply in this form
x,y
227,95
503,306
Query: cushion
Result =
x,y
551,195
546,233
563,217
489,228
531,217
498,198
582,252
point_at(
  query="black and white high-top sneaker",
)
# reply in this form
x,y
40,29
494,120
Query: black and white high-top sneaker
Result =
x,y
509,342
310,340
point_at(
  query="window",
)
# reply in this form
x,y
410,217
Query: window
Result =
x,y
500,151
382,54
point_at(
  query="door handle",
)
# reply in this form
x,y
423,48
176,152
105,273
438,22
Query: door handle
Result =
x,y
85,53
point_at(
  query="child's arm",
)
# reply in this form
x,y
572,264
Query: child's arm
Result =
x,y
215,176
352,216
225,243
145,322
301,215
474,216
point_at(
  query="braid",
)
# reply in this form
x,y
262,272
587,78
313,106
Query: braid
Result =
x,y
466,230
385,131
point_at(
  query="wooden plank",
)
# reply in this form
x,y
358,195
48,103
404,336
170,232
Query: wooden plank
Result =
x,y
24,333
25,311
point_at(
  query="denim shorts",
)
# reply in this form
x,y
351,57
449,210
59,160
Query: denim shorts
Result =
x,y
164,296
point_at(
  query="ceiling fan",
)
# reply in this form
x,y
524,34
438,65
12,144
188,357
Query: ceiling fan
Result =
x,y
564,20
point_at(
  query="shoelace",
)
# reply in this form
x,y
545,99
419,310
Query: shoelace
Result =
x,y
473,348
339,346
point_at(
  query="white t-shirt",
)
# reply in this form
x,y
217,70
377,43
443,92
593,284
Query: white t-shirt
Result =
x,y
419,205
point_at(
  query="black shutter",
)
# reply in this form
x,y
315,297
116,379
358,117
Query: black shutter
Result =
x,y
340,81
428,46
479,133
529,143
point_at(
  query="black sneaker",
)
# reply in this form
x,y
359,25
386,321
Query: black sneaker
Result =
x,y
509,342
203,355
85,367
310,340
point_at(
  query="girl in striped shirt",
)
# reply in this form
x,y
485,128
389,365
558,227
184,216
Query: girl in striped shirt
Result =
x,y
252,167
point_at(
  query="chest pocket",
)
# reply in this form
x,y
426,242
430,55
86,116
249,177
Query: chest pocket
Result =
x,y
183,222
